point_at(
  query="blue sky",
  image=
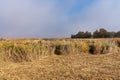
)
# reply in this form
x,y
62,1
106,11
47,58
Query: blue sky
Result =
x,y
56,18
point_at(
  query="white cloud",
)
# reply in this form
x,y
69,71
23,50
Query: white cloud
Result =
x,y
103,13
51,18
26,17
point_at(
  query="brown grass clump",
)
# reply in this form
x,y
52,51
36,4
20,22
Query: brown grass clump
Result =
x,y
29,50
13,52
103,47
70,47
118,42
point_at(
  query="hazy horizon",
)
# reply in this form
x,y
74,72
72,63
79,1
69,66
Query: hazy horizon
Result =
x,y
56,18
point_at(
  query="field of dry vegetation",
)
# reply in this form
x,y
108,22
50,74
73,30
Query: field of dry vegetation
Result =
x,y
60,59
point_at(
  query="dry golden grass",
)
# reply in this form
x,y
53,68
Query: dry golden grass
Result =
x,y
60,59
65,67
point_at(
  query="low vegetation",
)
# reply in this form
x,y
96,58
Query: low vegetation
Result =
x,y
60,59
28,50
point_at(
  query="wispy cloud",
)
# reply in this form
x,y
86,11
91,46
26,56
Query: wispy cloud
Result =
x,y
56,18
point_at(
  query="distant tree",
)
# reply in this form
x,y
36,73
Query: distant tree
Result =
x,y
117,34
87,34
96,34
73,36
111,34
101,33
82,35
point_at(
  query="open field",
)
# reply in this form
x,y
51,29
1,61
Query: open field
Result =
x,y
60,59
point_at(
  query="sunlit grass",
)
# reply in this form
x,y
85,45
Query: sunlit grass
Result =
x,y
28,50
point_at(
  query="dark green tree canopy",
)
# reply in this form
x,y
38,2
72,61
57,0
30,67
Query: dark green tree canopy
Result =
x,y
101,33
82,35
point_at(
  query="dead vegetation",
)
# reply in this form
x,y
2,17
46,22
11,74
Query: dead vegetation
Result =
x,y
29,50
60,59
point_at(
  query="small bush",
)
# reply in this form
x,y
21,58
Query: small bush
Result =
x,y
103,47
63,49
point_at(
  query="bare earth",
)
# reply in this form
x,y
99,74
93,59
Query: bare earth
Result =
x,y
64,67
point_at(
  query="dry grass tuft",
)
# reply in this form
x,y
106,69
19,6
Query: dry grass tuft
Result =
x,y
103,47
29,50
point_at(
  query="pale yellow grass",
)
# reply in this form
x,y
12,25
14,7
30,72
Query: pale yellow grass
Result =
x,y
64,67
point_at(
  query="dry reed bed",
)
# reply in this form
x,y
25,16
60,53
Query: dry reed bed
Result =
x,y
34,49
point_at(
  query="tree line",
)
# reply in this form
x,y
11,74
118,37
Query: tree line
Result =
x,y
101,33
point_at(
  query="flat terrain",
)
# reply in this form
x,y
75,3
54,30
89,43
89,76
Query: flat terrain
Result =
x,y
64,67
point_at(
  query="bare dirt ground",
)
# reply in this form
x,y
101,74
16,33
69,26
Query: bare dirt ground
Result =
x,y
64,67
